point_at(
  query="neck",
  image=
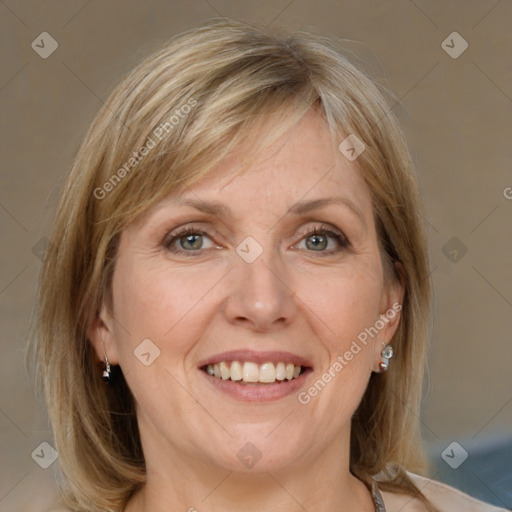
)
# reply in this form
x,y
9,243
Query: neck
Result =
x,y
320,482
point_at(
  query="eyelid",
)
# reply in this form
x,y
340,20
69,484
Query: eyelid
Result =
x,y
177,233
321,229
330,231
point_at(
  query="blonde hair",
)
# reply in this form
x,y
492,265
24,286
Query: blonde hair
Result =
x,y
209,89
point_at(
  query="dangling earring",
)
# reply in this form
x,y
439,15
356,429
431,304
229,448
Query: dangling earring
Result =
x,y
107,372
386,354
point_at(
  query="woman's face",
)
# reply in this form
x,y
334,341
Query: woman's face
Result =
x,y
250,288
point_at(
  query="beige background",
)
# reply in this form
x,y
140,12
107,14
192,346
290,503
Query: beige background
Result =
x,y
456,113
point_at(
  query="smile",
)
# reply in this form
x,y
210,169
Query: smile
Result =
x,y
256,376
249,372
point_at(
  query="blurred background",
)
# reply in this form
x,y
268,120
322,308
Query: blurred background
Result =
x,y
449,66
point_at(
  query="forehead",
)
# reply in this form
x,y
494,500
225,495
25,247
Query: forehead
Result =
x,y
303,165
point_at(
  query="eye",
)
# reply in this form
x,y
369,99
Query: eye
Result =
x,y
317,240
190,240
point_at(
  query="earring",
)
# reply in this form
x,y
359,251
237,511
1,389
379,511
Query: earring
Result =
x,y
107,372
387,354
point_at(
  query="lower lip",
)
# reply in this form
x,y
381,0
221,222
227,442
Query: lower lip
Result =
x,y
258,392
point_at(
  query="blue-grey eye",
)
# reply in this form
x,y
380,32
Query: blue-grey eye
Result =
x,y
316,242
189,240
195,241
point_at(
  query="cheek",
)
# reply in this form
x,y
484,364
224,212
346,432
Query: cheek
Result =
x,y
341,310
345,304
342,307
153,303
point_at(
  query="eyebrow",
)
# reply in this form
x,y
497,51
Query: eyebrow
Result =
x,y
301,207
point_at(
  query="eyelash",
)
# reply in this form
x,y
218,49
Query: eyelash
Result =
x,y
317,230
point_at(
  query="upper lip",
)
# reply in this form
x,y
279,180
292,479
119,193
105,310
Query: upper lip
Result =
x,y
274,356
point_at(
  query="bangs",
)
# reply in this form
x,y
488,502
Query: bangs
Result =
x,y
179,134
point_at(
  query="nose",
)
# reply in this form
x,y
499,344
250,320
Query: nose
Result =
x,y
260,297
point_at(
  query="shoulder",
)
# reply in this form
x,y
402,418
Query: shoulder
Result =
x,y
444,497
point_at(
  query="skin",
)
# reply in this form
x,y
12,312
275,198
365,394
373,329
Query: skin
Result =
x,y
290,298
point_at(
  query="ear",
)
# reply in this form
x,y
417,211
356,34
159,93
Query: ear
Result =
x,y
101,335
389,312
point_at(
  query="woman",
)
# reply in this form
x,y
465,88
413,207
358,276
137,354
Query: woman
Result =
x,y
238,252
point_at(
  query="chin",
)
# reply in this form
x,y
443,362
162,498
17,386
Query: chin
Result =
x,y
256,448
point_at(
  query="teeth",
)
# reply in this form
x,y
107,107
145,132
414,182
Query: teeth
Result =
x,y
235,371
224,371
280,371
267,372
250,372
253,372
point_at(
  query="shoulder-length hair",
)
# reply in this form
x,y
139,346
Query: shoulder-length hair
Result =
x,y
169,122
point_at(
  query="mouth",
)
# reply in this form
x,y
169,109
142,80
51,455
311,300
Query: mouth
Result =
x,y
249,372
256,376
